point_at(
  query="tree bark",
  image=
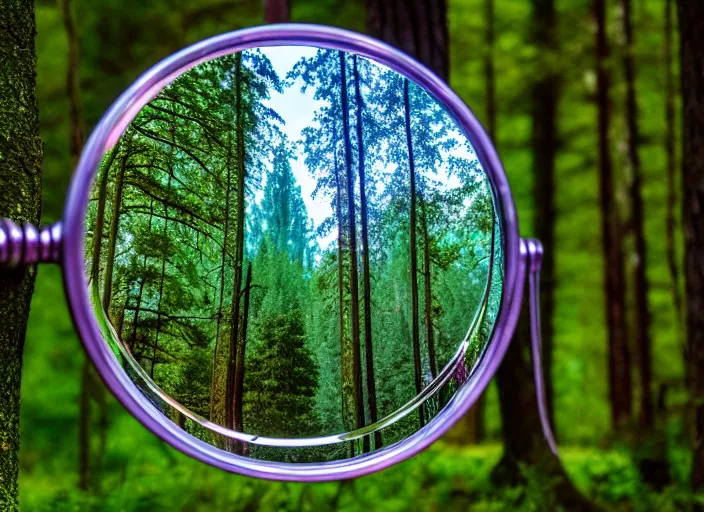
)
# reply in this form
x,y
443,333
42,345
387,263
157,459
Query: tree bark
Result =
x,y
239,250
72,83
239,370
216,385
641,286
277,11
366,280
114,227
524,444
670,150
691,20
428,290
161,283
415,321
470,429
620,389
352,240
100,221
20,182
346,366
546,94
417,27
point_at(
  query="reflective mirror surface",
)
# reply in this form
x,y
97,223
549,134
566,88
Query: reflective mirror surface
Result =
x,y
297,244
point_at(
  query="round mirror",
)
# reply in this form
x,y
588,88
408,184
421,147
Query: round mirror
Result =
x,y
295,254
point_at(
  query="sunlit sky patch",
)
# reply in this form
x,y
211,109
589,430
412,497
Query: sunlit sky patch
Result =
x,y
298,109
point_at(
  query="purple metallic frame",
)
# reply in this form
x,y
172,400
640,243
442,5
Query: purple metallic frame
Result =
x,y
516,251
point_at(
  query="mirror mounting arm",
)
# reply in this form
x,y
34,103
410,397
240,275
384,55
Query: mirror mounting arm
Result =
x,y
532,254
25,244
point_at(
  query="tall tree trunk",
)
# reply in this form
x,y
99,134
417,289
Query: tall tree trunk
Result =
x,y
91,387
352,240
420,29
132,340
217,387
490,70
346,366
417,27
524,442
546,93
72,83
114,225
415,321
428,290
100,221
239,250
20,181
691,20
277,11
620,389
366,280
670,141
161,280
239,370
470,429
640,280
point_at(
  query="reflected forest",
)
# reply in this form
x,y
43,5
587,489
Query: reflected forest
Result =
x,y
295,242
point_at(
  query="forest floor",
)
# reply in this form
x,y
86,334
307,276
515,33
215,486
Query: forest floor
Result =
x,y
137,472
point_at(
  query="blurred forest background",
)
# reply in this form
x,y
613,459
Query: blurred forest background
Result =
x,y
576,94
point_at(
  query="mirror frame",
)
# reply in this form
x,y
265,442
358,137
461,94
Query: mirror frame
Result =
x,y
106,134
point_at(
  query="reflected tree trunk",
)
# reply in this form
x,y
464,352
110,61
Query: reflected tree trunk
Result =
x,y
620,387
415,320
161,282
346,366
239,370
428,291
114,225
691,21
217,386
366,280
239,249
352,241
100,221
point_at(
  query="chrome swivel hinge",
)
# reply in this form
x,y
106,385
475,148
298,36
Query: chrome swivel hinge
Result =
x,y
26,244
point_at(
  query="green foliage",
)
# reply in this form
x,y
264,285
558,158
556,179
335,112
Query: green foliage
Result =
x,y
119,40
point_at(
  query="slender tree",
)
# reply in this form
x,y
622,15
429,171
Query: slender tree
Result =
x,y
412,230
117,194
239,370
546,95
620,390
20,181
671,162
352,241
366,280
417,27
90,385
239,246
691,21
641,286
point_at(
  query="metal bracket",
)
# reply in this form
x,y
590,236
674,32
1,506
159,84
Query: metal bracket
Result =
x,y
26,244
532,254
